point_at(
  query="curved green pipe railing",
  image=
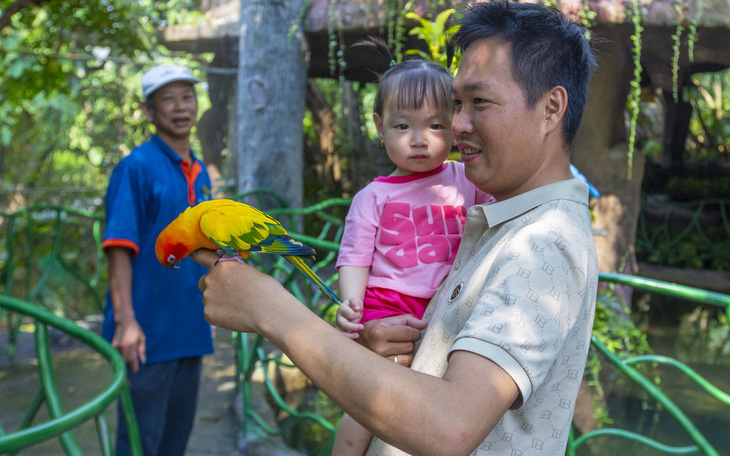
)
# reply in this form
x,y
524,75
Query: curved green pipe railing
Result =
x,y
61,423
251,356
625,366
28,222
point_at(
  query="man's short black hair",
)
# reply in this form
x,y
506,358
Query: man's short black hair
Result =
x,y
548,50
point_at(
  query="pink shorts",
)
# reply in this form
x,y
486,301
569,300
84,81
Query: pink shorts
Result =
x,y
381,303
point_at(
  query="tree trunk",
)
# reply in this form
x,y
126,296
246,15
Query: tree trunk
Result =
x,y
367,159
213,126
271,94
326,163
600,152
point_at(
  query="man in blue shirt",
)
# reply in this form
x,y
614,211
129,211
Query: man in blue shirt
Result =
x,y
154,316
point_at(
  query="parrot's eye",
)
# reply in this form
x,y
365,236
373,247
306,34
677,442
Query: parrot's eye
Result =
x,y
171,258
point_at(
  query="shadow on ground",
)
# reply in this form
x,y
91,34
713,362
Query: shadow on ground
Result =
x,y
82,373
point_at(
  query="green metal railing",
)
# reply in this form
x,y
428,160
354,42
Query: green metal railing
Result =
x,y
626,367
61,423
48,261
258,361
253,353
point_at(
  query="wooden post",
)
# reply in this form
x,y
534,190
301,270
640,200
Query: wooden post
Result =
x,y
271,97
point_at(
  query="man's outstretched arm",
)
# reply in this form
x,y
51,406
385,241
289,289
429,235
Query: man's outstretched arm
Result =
x,y
416,412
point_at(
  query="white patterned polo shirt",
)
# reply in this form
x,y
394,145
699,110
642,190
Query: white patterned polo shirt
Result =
x,y
522,292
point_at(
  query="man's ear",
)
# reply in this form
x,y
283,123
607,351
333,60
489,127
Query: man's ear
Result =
x,y
555,105
147,111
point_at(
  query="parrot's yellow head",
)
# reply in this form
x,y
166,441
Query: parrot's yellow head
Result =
x,y
169,248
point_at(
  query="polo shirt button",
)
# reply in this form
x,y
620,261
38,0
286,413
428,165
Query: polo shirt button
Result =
x,y
457,264
455,293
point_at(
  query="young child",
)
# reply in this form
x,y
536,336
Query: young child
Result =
x,y
402,231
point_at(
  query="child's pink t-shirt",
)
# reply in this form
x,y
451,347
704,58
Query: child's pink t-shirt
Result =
x,y
407,229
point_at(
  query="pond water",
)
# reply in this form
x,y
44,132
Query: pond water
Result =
x,y
632,410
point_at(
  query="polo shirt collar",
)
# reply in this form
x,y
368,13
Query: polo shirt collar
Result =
x,y
499,212
169,153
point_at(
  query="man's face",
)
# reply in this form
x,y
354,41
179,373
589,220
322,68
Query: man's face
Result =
x,y
501,140
175,110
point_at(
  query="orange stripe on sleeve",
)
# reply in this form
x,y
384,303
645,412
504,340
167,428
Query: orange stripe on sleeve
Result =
x,y
121,243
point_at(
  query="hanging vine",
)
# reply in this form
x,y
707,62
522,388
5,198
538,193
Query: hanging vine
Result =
x,y
632,104
676,47
331,39
298,20
395,23
692,31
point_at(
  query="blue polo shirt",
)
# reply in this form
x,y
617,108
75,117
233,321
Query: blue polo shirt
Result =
x,y
147,190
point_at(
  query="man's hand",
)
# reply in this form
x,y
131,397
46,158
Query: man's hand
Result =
x,y
393,336
130,341
239,297
349,314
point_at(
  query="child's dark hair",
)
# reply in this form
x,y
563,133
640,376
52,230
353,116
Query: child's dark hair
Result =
x,y
410,82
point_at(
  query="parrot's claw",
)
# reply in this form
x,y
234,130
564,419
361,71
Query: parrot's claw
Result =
x,y
229,258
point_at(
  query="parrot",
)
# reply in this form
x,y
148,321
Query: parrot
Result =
x,y
237,229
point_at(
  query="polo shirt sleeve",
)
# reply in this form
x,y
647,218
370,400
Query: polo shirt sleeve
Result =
x,y
528,306
361,229
122,208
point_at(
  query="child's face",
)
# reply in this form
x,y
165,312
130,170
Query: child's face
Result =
x,y
417,141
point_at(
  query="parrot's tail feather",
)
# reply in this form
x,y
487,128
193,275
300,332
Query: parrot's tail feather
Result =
x,y
298,263
285,245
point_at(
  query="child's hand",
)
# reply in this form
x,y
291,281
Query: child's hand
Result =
x,y
349,314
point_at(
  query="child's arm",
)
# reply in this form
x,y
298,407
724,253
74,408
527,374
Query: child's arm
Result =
x,y
351,439
352,283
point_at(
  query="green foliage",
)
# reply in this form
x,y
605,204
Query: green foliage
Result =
x,y
698,188
586,17
697,250
614,327
677,42
689,235
69,94
632,103
709,127
704,336
692,31
435,34
396,10
50,256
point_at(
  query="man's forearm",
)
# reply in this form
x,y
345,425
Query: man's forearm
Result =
x,y
120,284
418,413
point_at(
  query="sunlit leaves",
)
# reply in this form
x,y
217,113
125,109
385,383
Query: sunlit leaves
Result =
x,y
69,107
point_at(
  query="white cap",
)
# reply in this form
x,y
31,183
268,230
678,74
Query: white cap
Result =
x,y
165,74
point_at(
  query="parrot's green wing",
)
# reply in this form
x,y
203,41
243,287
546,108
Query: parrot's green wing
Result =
x,y
236,227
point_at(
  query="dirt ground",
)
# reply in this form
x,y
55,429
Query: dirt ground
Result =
x,y
82,373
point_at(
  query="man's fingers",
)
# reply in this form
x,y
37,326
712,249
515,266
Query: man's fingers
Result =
x,y
404,320
205,257
142,352
402,359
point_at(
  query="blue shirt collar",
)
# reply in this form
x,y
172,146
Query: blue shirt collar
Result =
x,y
167,150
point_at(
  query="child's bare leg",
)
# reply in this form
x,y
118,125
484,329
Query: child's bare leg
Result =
x,y
352,439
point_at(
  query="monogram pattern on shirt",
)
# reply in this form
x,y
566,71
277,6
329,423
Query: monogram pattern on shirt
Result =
x,y
516,300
